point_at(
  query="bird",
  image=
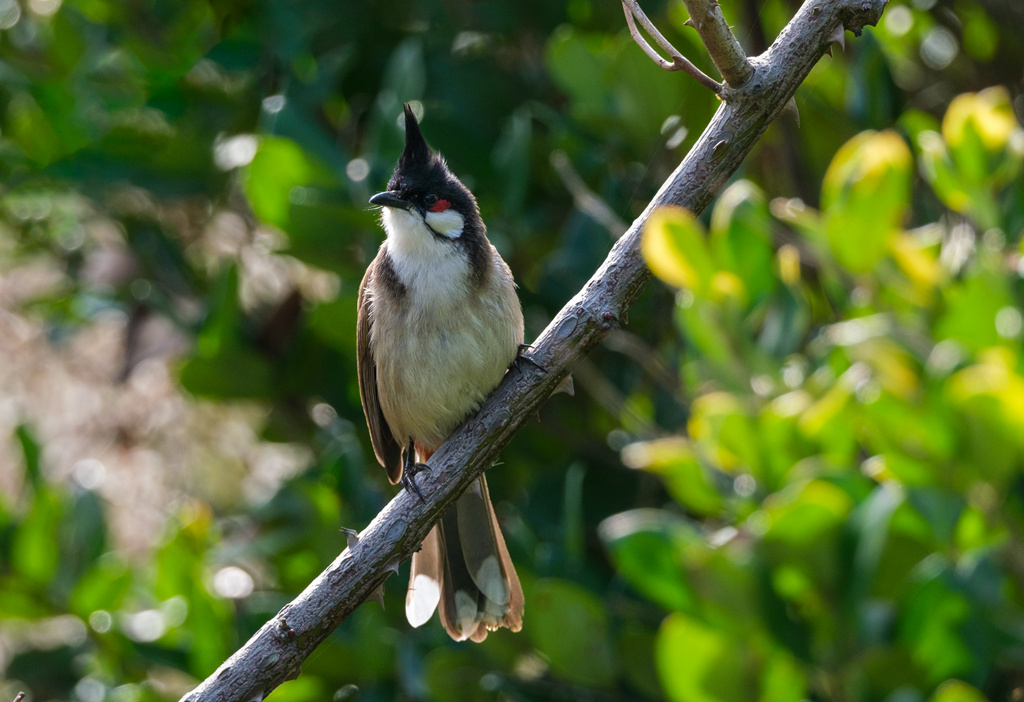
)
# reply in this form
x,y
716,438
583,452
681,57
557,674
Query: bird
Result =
x,y
439,323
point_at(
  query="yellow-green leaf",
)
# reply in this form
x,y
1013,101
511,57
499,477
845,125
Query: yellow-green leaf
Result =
x,y
676,250
865,195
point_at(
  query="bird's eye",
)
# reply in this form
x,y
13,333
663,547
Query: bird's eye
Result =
x,y
430,199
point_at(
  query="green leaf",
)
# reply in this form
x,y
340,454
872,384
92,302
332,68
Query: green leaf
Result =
x,y
783,680
636,651
575,64
971,309
724,433
235,373
957,691
452,674
569,626
871,526
805,514
700,322
938,169
686,479
34,550
646,547
104,586
29,127
30,452
933,626
674,247
699,664
334,323
405,76
512,159
303,689
865,195
741,238
279,167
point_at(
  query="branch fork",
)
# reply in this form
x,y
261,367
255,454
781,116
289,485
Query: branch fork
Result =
x,y
678,62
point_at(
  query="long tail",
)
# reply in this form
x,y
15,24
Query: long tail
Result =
x,y
464,567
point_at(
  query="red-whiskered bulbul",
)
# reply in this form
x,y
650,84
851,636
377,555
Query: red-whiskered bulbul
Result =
x,y
439,323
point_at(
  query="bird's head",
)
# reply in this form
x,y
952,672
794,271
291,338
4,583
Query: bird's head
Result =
x,y
423,191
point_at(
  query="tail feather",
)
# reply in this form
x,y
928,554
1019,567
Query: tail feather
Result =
x,y
464,567
424,581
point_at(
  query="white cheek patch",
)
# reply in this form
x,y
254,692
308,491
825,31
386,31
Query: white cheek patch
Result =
x,y
448,223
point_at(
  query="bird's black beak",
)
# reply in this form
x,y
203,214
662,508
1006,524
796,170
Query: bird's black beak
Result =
x,y
389,199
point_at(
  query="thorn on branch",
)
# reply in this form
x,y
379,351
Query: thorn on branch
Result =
x,y
678,62
839,37
792,109
19,697
351,535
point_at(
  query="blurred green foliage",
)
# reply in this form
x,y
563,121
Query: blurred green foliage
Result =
x,y
860,491
797,474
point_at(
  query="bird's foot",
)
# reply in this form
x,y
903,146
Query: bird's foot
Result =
x,y
409,478
521,358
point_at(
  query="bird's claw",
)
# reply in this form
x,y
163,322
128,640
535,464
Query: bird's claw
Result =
x,y
409,478
520,357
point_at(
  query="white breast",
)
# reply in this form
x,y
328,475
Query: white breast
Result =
x,y
446,345
435,269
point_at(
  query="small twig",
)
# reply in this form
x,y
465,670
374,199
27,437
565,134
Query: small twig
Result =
x,y
679,62
584,198
729,57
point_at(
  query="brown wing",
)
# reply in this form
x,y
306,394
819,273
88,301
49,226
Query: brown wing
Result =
x,y
388,451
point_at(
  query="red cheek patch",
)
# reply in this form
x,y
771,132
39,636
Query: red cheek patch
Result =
x,y
440,206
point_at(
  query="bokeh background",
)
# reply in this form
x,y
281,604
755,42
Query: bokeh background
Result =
x,y
797,473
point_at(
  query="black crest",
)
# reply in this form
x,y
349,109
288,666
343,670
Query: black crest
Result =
x,y
419,172
416,156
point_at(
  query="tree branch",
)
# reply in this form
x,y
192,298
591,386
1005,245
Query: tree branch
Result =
x,y
730,59
275,653
631,8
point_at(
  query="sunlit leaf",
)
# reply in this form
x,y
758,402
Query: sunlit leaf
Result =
x,y
803,514
721,428
938,170
697,663
304,689
104,587
865,196
783,680
676,250
981,131
675,462
957,691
